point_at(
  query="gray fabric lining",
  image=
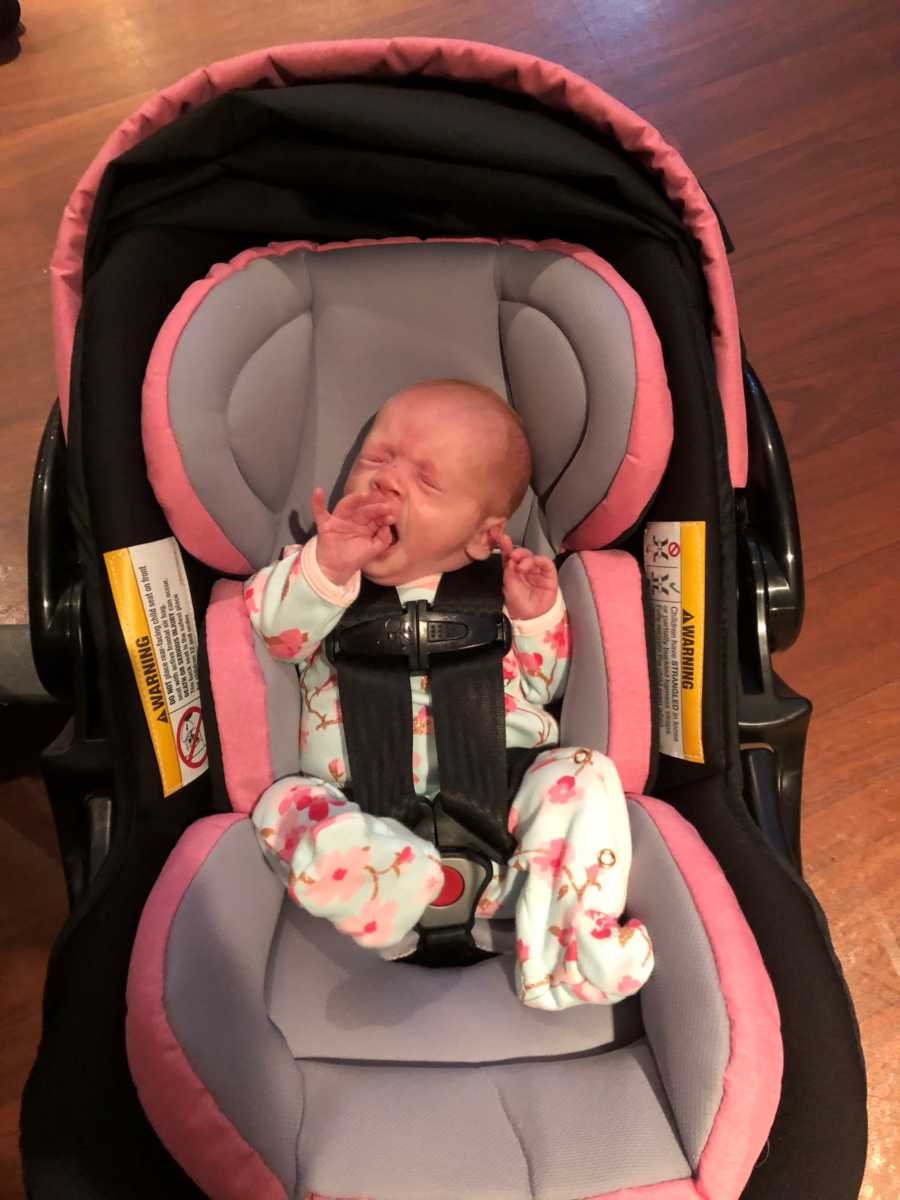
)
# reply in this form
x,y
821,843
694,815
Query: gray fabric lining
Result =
x,y
548,1131
424,1085
332,999
283,362
682,1004
215,965
584,720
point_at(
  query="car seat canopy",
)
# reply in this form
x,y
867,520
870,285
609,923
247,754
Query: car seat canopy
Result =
x,y
269,370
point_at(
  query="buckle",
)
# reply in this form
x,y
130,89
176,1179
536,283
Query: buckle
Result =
x,y
465,878
420,632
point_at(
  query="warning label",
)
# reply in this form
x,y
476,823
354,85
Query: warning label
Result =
x,y
153,602
675,565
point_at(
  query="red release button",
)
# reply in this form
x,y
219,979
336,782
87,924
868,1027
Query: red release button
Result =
x,y
454,886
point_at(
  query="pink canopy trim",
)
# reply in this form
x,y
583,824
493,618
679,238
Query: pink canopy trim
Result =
x,y
510,70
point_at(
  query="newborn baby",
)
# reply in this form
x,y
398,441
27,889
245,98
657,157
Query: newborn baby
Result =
x,y
442,468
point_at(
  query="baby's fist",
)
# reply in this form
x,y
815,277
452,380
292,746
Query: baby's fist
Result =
x,y
529,581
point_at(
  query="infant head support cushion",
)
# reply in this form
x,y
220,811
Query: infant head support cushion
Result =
x,y
266,372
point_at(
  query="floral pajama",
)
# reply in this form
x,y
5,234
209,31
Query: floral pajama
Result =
x,y
373,878
565,883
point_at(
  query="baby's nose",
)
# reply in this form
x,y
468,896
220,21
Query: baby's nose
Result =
x,y
388,480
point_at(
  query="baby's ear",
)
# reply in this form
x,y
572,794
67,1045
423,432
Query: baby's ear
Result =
x,y
487,537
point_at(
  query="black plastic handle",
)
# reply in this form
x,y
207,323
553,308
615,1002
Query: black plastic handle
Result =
x,y
54,586
768,509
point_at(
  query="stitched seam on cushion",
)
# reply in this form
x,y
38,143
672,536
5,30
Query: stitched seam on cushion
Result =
x,y
237,379
516,1135
549,489
298,1179
628,453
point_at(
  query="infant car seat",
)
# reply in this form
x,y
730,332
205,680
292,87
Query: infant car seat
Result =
x,y
271,1056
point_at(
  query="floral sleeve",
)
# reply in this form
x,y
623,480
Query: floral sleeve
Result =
x,y
293,606
541,646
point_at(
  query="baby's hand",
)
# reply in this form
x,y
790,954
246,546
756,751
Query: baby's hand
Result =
x,y
529,581
352,535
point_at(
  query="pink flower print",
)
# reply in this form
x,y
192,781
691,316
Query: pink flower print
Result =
x,y
531,663
566,939
416,762
486,907
589,993
432,884
551,859
564,790
293,797
512,820
251,601
286,850
337,771
317,802
509,702
603,925
558,637
522,950
422,722
336,876
373,925
565,975
627,984
510,669
287,644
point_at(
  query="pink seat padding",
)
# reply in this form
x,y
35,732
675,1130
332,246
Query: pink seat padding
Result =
x,y
752,1087
256,700
610,665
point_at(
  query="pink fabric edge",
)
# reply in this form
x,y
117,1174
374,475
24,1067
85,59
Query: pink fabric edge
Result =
x,y
638,476
615,581
191,1125
510,70
751,1095
673,1189
652,428
239,695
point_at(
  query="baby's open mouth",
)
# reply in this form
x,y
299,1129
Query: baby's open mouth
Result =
x,y
395,536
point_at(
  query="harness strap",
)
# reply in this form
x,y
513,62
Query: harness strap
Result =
x,y
467,820
376,704
469,715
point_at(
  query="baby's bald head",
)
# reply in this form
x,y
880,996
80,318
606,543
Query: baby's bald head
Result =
x,y
498,442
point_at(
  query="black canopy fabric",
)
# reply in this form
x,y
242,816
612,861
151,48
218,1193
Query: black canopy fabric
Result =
x,y
337,161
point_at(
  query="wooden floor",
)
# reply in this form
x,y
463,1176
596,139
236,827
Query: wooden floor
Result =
x,y
790,114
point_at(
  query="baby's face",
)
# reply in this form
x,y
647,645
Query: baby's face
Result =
x,y
429,460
